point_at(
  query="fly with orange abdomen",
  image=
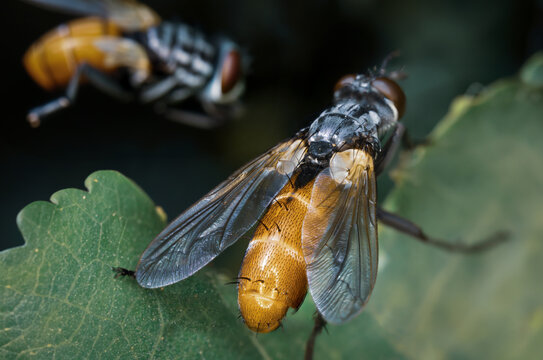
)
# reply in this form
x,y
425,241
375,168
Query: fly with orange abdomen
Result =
x,y
123,48
313,199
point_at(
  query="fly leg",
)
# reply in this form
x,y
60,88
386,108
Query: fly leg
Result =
x,y
190,118
122,272
320,324
215,114
160,89
165,108
174,88
97,78
167,92
399,137
390,148
407,227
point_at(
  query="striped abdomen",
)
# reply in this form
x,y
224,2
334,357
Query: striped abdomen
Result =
x,y
53,59
273,274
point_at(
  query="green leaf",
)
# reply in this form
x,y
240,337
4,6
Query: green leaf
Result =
x,y
60,300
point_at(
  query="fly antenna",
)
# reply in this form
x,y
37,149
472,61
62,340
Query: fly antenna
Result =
x,y
398,74
386,60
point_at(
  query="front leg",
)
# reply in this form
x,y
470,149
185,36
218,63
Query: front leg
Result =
x,y
408,227
159,89
400,136
173,88
390,148
190,118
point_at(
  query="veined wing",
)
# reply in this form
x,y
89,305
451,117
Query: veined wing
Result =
x,y
339,236
129,15
219,219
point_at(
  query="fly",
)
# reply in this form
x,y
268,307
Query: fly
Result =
x,y
124,49
313,199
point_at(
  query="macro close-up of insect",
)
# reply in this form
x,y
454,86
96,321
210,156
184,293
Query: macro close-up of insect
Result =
x,y
247,180
124,49
313,199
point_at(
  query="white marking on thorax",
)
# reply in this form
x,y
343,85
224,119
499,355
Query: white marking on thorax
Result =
x,y
182,56
201,66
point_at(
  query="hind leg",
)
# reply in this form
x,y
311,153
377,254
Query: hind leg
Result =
x,y
320,324
97,78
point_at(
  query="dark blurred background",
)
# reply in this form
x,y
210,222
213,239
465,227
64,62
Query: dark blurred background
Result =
x,y
298,51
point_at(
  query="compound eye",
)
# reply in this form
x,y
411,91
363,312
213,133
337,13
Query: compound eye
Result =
x,y
345,80
231,71
392,91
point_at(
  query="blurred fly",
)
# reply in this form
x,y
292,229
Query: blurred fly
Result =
x,y
313,199
124,49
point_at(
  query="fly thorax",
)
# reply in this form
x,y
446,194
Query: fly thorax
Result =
x,y
177,46
366,101
343,126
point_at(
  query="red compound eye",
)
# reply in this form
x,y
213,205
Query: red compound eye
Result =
x,y
392,91
231,71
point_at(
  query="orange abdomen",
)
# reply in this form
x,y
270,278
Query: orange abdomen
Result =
x,y
53,59
273,274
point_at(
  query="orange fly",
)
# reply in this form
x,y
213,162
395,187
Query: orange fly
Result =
x,y
124,49
313,200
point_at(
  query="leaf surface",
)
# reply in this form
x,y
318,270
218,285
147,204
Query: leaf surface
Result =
x,y
60,300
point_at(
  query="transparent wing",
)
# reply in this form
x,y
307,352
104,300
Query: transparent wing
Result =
x,y
219,219
129,15
339,237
